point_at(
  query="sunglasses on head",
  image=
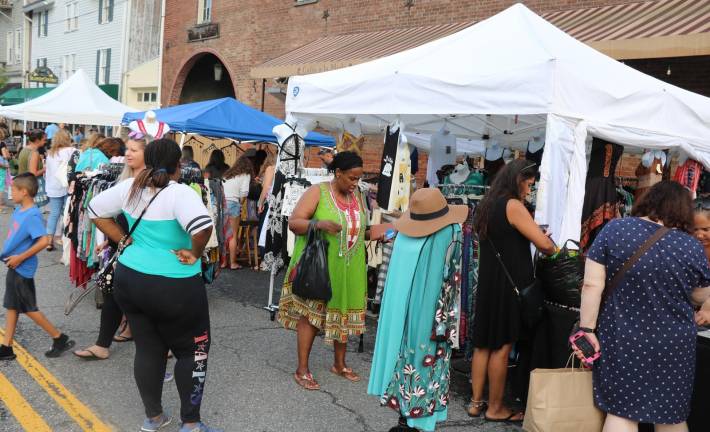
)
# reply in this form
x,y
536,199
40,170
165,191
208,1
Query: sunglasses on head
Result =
x,y
532,165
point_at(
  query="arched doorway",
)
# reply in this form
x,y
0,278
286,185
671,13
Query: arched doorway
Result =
x,y
208,78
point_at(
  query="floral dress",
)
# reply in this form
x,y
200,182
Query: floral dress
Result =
x,y
417,327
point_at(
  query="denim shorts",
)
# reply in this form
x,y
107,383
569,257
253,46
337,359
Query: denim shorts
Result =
x,y
234,208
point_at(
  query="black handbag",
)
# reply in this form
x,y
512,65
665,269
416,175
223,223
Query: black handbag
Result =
x,y
562,276
312,280
104,277
530,297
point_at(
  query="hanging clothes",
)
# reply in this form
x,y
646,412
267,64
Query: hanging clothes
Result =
x,y
535,156
689,175
493,162
601,203
410,366
389,156
288,165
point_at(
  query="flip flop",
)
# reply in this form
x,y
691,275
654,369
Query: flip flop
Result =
x,y
508,419
119,338
346,373
91,357
306,381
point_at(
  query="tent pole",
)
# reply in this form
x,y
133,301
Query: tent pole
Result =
x,y
271,307
24,133
182,139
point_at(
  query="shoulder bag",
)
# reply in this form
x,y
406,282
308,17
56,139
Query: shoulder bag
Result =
x,y
531,297
104,277
312,279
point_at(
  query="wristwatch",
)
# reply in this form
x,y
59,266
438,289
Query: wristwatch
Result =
x,y
586,329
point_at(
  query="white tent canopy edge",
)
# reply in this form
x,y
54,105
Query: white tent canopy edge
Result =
x,y
500,77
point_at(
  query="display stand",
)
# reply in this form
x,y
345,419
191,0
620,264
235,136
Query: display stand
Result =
x,y
271,307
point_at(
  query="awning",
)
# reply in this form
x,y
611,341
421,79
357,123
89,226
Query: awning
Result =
x,y
19,95
648,29
335,52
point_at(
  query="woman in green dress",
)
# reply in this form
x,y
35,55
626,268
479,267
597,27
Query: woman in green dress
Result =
x,y
338,208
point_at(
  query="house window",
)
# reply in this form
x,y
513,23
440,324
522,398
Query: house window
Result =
x,y
103,66
42,23
105,11
18,45
42,62
9,52
72,16
204,11
68,66
147,96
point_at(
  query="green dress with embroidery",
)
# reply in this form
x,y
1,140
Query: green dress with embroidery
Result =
x,y
344,314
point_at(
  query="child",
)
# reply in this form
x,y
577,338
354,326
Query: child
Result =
x,y
26,238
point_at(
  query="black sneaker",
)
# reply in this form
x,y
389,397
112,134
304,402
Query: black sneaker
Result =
x,y
59,346
6,353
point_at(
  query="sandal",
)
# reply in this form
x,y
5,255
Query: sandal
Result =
x,y
235,267
92,355
120,338
346,373
306,381
477,405
508,419
51,248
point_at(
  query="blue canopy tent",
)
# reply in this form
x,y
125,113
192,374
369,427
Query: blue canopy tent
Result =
x,y
224,118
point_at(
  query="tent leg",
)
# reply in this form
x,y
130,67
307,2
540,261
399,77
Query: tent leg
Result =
x,y
271,307
24,133
182,139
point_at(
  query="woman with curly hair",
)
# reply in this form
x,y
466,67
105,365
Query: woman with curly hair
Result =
x,y
644,325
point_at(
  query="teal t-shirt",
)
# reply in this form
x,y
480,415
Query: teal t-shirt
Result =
x,y
91,159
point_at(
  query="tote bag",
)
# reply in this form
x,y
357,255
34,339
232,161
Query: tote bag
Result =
x,y
561,400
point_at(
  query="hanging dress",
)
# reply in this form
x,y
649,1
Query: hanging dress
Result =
x,y
288,165
344,314
351,143
410,366
601,202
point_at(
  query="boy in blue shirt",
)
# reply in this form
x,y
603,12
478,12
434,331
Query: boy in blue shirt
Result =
x,y
27,236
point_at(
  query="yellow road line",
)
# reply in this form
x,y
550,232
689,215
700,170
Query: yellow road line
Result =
x,y
18,406
86,419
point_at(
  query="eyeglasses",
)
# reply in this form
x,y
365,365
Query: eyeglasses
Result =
x,y
135,135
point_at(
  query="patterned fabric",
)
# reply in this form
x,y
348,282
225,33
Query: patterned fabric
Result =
x,y
344,314
646,328
351,213
411,365
689,174
350,142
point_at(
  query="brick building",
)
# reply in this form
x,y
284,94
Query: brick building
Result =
x,y
247,49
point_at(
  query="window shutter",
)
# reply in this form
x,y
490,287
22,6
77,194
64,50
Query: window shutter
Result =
x,y
110,10
101,11
98,65
39,25
108,66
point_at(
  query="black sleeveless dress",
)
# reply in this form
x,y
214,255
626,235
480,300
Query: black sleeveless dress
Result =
x,y
497,318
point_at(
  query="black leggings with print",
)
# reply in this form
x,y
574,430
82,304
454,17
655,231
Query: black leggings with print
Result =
x,y
167,314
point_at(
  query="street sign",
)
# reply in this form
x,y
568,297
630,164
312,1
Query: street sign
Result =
x,y
43,75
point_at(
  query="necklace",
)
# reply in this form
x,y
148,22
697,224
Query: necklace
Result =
x,y
345,213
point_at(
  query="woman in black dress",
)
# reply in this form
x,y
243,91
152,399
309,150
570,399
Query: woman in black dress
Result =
x,y
504,224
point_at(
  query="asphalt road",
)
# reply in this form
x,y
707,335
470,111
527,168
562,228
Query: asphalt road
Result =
x,y
249,386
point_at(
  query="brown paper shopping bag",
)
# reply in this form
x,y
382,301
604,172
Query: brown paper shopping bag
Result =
x,y
561,400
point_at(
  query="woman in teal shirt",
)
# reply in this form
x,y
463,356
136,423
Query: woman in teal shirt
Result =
x,y
105,149
158,282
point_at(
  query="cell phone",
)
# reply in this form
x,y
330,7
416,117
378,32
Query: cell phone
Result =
x,y
579,341
389,234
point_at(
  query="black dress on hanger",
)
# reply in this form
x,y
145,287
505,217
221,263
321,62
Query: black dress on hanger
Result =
x,y
601,203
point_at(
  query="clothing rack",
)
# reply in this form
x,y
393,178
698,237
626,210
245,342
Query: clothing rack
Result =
x,y
270,306
189,175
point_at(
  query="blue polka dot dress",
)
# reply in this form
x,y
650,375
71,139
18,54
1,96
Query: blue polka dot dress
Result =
x,y
646,328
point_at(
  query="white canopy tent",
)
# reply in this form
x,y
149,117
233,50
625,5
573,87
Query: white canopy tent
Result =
x,y
77,100
509,77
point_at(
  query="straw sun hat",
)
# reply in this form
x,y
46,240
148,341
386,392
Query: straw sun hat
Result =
x,y
428,213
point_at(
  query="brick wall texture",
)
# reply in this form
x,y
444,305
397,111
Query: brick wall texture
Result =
x,y
255,31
